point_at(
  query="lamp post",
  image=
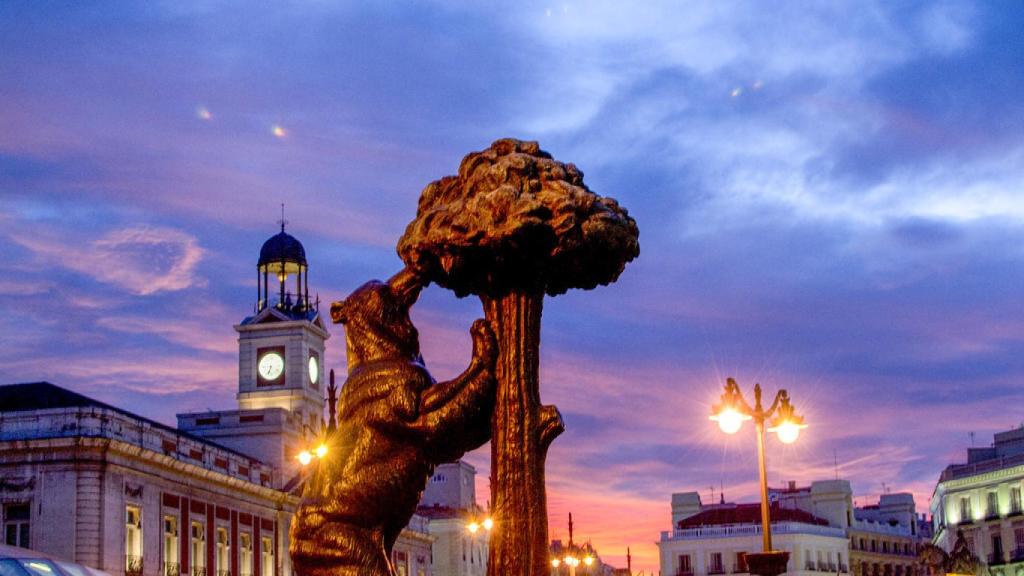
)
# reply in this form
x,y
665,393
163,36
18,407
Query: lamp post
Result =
x,y
730,413
572,556
474,527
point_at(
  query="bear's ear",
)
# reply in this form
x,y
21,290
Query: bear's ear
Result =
x,y
339,312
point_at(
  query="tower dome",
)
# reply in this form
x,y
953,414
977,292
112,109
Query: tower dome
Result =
x,y
281,256
282,247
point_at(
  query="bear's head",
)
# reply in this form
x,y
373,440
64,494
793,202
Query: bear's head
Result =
x,y
376,319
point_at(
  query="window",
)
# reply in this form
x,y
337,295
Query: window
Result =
x,y
223,555
402,563
266,556
965,510
1015,500
992,507
997,549
245,558
684,565
715,563
741,562
132,541
170,553
1018,540
198,549
16,524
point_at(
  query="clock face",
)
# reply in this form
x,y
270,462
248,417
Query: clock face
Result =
x,y
314,369
271,366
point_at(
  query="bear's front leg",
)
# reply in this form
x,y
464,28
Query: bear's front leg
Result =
x,y
456,415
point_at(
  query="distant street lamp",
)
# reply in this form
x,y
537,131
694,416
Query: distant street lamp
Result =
x,y
572,556
730,413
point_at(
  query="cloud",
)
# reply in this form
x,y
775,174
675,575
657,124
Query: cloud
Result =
x,y
143,261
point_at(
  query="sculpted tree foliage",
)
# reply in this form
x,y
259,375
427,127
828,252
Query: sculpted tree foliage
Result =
x,y
513,225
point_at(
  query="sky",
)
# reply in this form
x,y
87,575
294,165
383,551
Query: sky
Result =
x,y
830,199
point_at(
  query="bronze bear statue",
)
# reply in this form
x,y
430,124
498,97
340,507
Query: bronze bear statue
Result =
x,y
395,424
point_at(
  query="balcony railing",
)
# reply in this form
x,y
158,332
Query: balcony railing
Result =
x,y
199,571
809,565
223,572
1015,509
682,572
716,570
996,558
728,530
132,565
1017,555
844,568
992,514
172,569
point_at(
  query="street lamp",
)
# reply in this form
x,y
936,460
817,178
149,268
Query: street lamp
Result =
x,y
473,527
572,555
730,413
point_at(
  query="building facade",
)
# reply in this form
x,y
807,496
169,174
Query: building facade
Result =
x,y
818,525
91,482
981,499
449,502
83,480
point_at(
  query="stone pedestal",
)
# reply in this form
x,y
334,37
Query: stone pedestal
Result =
x,y
767,563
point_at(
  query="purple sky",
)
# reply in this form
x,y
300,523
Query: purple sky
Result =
x,y
829,198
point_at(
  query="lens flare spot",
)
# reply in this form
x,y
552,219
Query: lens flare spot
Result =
x,y
278,131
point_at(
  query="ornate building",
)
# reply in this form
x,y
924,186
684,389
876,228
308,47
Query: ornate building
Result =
x,y
981,499
91,482
817,524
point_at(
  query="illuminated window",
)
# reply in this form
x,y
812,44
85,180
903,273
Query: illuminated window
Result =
x,y
965,509
245,558
170,552
1015,500
16,524
402,563
198,549
266,556
223,555
132,541
992,508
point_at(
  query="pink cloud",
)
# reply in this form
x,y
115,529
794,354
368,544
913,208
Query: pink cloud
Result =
x,y
142,261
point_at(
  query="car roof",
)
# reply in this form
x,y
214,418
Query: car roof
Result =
x,y
17,553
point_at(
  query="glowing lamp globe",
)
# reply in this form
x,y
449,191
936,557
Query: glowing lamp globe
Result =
x,y
488,524
321,451
556,562
588,560
788,432
305,457
730,420
473,527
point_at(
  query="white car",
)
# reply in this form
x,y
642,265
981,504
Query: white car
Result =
x,y
16,561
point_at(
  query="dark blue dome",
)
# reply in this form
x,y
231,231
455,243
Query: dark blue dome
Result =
x,y
282,247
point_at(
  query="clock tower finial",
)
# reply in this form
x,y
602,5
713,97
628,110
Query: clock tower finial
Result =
x,y
282,221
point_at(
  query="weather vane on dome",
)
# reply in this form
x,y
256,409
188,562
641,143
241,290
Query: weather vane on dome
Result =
x,y
282,221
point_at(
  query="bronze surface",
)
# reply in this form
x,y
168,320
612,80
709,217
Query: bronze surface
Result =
x,y
513,225
394,425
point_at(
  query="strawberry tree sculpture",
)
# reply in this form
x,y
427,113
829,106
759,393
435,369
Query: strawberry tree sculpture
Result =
x,y
513,225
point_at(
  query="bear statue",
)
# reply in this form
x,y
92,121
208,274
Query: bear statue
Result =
x,y
395,424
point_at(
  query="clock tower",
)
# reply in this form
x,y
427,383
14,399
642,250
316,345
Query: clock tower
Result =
x,y
280,367
281,346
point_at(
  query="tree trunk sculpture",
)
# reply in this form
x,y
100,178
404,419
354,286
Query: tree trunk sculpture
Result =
x,y
512,226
